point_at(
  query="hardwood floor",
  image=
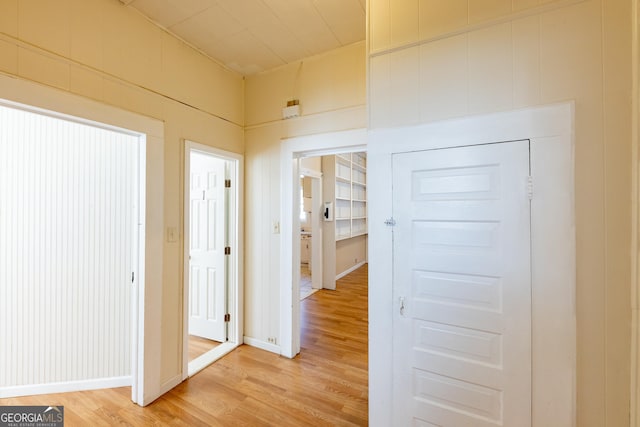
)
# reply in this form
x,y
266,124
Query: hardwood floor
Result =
x,y
199,346
326,385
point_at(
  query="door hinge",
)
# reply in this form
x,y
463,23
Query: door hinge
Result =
x,y
227,317
390,222
227,183
204,195
133,276
530,187
227,250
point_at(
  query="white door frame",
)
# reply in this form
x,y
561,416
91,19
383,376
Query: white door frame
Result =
x,y
138,288
146,304
291,150
550,130
235,260
135,379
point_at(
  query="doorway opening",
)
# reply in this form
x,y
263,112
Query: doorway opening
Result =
x,y
293,150
72,252
333,218
212,248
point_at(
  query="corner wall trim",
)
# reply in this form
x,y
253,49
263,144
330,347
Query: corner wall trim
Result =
x,y
635,221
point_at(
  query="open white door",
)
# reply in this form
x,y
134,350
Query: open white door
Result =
x,y
207,288
462,287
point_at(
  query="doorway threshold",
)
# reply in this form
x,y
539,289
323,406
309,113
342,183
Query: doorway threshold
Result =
x,y
201,362
306,293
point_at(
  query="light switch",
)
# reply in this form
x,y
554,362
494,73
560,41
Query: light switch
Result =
x,y
172,234
275,227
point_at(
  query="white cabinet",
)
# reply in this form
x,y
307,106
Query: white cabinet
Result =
x,y
346,175
305,249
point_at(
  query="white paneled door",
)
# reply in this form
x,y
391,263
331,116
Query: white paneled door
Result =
x,y
462,286
207,287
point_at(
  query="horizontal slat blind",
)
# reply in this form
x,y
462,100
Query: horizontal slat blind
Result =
x,y
67,225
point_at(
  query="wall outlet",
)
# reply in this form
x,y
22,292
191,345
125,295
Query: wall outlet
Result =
x,y
272,340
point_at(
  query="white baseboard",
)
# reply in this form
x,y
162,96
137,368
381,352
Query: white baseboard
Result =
x,y
350,270
253,342
64,387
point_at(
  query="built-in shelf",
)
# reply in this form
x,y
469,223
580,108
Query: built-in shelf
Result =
x,y
349,173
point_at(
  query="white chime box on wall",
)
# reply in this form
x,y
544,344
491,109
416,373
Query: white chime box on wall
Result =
x,y
291,110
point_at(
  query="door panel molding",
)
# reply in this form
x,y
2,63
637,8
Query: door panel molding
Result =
x,y
550,130
462,271
207,241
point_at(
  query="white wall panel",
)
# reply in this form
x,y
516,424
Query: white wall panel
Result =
x,y
444,68
67,227
490,83
543,52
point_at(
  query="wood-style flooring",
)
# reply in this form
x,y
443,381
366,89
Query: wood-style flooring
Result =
x,y
326,385
199,346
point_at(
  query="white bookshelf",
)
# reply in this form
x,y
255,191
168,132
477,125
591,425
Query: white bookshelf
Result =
x,y
349,174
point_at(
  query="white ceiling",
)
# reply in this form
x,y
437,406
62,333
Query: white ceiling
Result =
x,y
250,36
